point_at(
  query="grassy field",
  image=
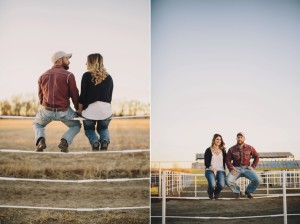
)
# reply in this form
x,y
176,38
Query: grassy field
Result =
x,y
125,134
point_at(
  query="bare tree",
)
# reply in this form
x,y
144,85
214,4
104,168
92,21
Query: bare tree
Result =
x,y
5,107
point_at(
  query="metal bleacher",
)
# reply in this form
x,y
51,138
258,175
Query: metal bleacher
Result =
x,y
268,160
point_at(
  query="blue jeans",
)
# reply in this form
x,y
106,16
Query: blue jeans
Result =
x,y
215,184
102,130
243,171
44,117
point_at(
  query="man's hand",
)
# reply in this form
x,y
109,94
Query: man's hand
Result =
x,y
233,171
250,168
79,112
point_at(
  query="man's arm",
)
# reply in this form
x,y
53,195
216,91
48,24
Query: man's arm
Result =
x,y
40,92
228,160
74,93
255,156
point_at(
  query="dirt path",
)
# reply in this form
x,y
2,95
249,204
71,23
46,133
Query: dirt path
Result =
x,y
228,208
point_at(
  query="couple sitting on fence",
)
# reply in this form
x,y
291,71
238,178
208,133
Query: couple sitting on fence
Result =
x,y
55,88
237,160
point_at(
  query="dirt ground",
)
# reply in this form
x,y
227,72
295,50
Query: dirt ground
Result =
x,y
125,134
227,208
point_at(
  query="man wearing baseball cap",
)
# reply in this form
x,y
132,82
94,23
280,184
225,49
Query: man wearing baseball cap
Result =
x,y
240,155
55,88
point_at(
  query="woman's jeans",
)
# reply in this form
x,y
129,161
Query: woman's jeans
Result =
x,y
215,183
243,171
102,130
44,117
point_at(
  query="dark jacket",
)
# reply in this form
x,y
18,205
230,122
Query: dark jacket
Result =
x,y
91,93
208,155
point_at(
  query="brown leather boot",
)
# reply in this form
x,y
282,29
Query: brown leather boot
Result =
x,y
104,145
63,145
41,145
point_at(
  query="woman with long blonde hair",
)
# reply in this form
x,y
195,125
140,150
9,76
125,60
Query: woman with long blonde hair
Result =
x,y
95,102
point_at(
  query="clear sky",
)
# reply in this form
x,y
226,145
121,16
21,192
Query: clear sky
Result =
x,y
224,67
31,31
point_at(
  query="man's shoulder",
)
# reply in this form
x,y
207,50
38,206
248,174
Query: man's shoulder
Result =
x,y
232,148
248,146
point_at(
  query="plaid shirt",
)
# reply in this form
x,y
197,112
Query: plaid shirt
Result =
x,y
56,86
241,157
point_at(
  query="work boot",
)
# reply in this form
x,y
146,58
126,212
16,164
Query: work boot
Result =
x,y
211,196
41,145
250,196
104,145
63,145
236,195
217,196
95,146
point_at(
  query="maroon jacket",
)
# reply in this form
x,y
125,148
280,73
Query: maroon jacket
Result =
x,y
56,86
241,157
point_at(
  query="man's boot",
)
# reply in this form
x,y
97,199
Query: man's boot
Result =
x,y
41,145
63,145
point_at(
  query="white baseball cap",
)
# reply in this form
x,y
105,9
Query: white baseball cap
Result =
x,y
240,133
58,55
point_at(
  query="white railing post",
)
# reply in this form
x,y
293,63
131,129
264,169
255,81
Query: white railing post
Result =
x,y
164,197
159,181
284,198
195,186
267,175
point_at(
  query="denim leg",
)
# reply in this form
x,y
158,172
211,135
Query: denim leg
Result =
x,y
211,181
102,129
74,129
220,181
89,130
74,126
39,124
231,181
255,180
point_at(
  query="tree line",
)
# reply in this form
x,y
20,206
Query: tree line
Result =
x,y
29,106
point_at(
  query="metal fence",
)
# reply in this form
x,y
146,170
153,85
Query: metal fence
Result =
x,y
178,185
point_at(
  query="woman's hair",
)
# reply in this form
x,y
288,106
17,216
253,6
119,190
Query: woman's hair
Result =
x,y
222,145
96,67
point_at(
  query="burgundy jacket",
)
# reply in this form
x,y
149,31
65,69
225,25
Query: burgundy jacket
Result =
x,y
56,86
241,157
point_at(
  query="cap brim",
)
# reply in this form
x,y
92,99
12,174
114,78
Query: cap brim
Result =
x,y
68,55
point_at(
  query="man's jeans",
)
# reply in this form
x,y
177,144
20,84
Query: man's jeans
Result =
x,y
215,184
44,117
102,129
243,171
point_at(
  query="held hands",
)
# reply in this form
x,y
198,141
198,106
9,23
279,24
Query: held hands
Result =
x,y
250,168
213,170
79,113
233,171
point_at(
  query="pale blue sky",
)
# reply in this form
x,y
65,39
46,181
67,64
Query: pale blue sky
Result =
x,y
224,67
31,31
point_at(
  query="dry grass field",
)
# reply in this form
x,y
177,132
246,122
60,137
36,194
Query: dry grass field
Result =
x,y
125,134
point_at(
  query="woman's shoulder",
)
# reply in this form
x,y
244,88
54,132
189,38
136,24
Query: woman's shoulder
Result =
x,y
87,74
207,150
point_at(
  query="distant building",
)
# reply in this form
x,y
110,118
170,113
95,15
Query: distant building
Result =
x,y
268,160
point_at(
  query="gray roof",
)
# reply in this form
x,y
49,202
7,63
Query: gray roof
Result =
x,y
265,155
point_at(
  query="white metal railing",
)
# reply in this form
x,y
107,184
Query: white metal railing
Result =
x,y
173,184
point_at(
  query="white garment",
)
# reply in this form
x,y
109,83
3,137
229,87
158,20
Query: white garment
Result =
x,y
217,161
97,111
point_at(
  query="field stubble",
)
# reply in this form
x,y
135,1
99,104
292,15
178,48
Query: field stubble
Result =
x,y
125,134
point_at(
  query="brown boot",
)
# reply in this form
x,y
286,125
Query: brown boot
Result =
x,y
41,145
104,145
63,145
